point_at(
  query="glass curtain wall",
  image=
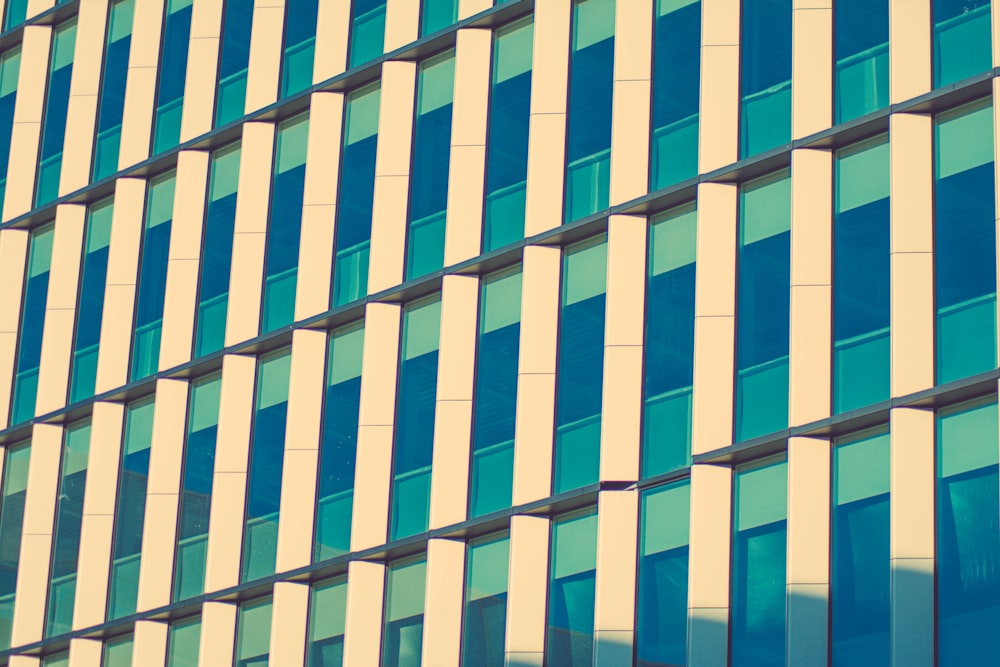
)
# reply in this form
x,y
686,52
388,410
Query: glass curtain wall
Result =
x,y
56,660
253,633
183,642
234,60
118,652
861,56
15,14
56,107
765,75
12,496
485,615
112,98
29,343
300,46
367,31
402,635
437,15
10,67
961,43
327,623
171,80
572,591
90,300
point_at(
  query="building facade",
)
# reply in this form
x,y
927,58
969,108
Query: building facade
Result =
x,y
562,333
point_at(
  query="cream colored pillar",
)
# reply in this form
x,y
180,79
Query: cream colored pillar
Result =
x,y
719,116
467,8
708,569
200,80
630,122
288,623
26,132
812,67
84,652
333,23
13,263
36,7
218,634
527,587
150,643
24,661
264,67
363,630
140,93
442,641
909,49
402,23
617,540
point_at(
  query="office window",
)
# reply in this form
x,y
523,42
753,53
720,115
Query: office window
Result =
x,y
572,591
285,224
431,162
661,633
234,59
415,408
859,584
335,499
591,87
196,487
17,12
402,636
300,46
90,308
118,652
968,535
112,98
762,307
580,379
152,282
170,85
669,368
57,660
130,515
760,512
965,283
861,276
485,623
507,147
12,495
962,44
217,242
356,196
861,55
66,538
327,620
367,30
676,91
765,75
437,15
183,642
10,66
492,480
54,119
253,633
29,344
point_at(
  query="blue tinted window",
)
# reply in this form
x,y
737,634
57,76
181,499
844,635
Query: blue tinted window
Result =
x,y
591,84
29,344
437,15
486,602
327,622
765,75
367,30
56,106
962,45
762,307
17,12
300,45
170,86
234,61
10,66
12,495
402,636
861,46
253,633
184,641
109,116
492,481
572,592
90,312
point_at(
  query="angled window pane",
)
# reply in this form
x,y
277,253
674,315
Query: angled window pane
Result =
x,y
572,591
402,636
12,496
233,61
170,85
56,107
17,12
962,44
765,75
367,30
253,633
861,55
183,642
56,660
10,66
485,622
118,652
112,98
437,15
300,45
90,308
29,344
327,620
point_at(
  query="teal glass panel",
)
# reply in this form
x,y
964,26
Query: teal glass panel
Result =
x,y
431,163
118,652
234,61
253,633
965,282
661,632
29,344
591,87
56,107
580,380
183,643
859,583
12,496
762,307
861,276
367,30
765,75
415,409
666,442
495,407
170,85
300,46
962,44
861,55
402,636
327,621
90,309
968,535
485,614
10,67
760,534
112,99
17,12
572,591
437,15
57,660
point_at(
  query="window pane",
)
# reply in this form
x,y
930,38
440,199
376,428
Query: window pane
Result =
x,y
29,344
327,620
112,98
170,86
12,495
10,66
404,614
17,12
300,46
184,642
234,60
93,278
437,15
486,602
765,75
58,660
118,653
572,579
861,45
367,31
253,638
56,106
962,45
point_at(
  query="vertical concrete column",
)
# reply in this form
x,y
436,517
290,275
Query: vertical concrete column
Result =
x,y
140,93
715,318
812,67
536,374
467,8
363,630
202,69
911,537
719,126
36,7
26,132
442,641
630,122
264,68
617,542
909,49
84,652
184,258
527,588
402,24
218,634
150,643
288,623
547,122
392,174
13,263
623,335
250,238
708,573
333,23
24,661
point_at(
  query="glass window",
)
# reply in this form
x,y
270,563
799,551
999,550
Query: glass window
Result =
x,y
968,535
66,539
965,283
507,147
217,245
118,652
56,106
859,584
762,307
861,52
234,60
196,487
661,637
152,282
417,398
267,450
283,229
437,15
17,12
183,642
572,581
431,162
404,613
129,523
367,30
57,660
112,99
300,45
765,75
10,66
676,91
357,195
170,85
591,88
579,384
757,617
90,311
495,407
669,342
861,276
12,494
335,501
253,633
962,45
486,602
327,620
29,344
